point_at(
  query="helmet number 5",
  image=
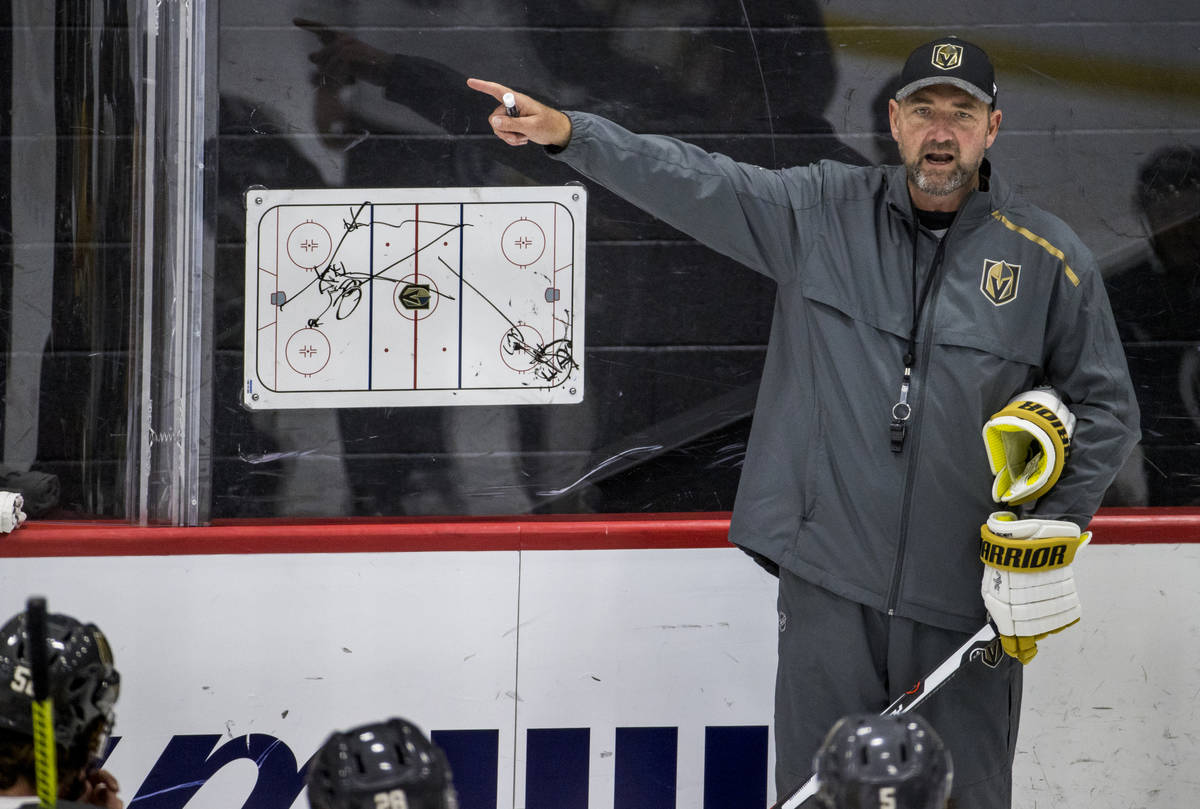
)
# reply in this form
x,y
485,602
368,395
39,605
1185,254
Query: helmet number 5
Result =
x,y
887,798
22,681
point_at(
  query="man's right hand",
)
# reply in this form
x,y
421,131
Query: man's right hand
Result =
x,y
535,121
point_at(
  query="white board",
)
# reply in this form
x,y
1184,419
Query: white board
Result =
x,y
399,297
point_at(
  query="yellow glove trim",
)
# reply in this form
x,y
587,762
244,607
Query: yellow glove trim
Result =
x,y
1040,416
1024,648
1028,555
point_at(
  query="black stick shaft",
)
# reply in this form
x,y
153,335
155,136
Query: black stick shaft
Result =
x,y
45,757
39,665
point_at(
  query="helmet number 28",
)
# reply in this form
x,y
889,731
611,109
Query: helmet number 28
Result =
x,y
22,681
395,799
887,798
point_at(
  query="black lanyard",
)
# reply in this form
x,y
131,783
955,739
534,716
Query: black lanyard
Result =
x,y
902,410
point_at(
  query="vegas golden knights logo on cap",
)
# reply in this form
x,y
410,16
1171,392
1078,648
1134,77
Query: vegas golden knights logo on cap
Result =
x,y
999,282
947,56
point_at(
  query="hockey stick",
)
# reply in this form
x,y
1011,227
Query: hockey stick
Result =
x,y
45,762
984,645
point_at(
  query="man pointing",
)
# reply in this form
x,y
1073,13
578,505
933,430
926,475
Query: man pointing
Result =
x,y
913,303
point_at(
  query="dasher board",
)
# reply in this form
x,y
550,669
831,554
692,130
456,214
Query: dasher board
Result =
x,y
404,297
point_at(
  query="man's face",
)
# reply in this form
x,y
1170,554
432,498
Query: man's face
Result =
x,y
943,133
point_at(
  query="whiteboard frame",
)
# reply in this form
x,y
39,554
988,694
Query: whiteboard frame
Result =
x,y
556,371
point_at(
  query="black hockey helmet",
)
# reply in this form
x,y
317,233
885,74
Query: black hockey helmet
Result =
x,y
83,683
868,761
385,765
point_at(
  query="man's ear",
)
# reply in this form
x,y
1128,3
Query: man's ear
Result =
x,y
993,126
894,118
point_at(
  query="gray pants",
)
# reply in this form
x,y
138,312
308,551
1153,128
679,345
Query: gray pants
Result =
x,y
838,657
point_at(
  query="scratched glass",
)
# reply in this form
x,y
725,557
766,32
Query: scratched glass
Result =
x,y
68,152
376,95
371,94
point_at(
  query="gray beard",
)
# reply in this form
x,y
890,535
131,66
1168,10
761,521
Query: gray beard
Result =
x,y
940,187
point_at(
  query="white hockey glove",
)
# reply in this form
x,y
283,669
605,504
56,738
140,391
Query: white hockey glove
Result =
x,y
11,514
1027,444
1028,587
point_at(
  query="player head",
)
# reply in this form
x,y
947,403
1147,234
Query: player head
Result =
x,y
944,120
385,765
868,761
83,689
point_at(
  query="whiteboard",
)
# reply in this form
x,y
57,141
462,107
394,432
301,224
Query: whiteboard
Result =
x,y
404,297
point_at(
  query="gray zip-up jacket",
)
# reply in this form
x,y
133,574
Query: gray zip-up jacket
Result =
x,y
1016,301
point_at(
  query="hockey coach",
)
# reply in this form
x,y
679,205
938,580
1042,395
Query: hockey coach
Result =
x,y
914,303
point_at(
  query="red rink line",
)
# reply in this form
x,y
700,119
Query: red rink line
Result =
x,y
585,532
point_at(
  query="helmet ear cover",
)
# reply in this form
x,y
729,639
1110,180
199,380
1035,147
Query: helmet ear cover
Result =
x,y
866,757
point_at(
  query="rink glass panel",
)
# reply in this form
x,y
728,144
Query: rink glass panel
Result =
x,y
1100,110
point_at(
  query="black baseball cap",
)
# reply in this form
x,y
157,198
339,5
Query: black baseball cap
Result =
x,y
949,60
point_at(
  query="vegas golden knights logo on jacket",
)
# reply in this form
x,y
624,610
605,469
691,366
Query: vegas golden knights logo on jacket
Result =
x,y
947,57
999,282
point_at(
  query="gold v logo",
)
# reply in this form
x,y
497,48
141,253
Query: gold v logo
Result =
x,y
1000,279
947,57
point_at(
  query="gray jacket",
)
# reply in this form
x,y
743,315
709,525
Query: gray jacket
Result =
x,y
822,493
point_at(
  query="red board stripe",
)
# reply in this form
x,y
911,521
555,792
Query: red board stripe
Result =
x,y
591,532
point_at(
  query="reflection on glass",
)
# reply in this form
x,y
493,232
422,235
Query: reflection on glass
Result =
x,y
376,95
1156,301
68,135
372,93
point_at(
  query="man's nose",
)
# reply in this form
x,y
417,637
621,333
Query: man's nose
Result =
x,y
941,126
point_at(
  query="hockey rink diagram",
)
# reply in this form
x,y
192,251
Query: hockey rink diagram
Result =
x,y
414,297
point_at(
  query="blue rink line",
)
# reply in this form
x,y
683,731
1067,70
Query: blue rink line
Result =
x,y
462,237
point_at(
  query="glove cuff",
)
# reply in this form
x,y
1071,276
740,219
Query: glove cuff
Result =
x,y
1028,555
1037,415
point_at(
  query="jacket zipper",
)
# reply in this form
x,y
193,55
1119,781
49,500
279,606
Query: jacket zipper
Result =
x,y
915,444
